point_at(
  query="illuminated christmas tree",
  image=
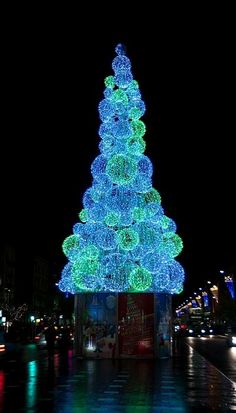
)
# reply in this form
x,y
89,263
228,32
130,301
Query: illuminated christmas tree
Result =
x,y
123,242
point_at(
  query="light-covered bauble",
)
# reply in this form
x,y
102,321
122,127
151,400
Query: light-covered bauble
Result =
x,y
123,78
145,166
119,96
121,63
139,214
138,128
102,184
88,201
122,129
96,214
121,169
116,269
171,244
106,238
149,237
84,215
142,183
169,278
151,197
167,224
136,145
126,218
127,239
110,82
112,219
71,247
140,279
98,167
136,109
106,110
106,128
121,199
85,265
87,282
66,283
152,261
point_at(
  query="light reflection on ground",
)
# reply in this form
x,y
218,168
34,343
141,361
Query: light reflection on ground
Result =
x,y
69,385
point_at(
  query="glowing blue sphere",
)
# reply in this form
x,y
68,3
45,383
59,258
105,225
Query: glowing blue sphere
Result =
x,y
66,284
116,271
169,278
121,63
98,167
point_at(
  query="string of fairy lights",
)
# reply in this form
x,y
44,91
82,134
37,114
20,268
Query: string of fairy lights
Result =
x,y
123,241
200,298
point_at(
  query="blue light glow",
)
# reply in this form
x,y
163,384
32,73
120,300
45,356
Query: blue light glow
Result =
x,y
123,241
230,285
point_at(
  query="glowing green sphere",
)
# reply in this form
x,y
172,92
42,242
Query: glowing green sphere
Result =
x,y
136,145
138,128
140,279
139,214
83,215
152,196
172,244
119,95
109,82
112,219
121,169
128,239
71,246
85,265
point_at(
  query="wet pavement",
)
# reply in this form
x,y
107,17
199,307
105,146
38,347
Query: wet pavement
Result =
x,y
185,383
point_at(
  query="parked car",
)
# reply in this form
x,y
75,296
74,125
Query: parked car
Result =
x,y
231,337
40,340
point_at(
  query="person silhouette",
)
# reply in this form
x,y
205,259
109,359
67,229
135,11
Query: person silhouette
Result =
x,y
50,337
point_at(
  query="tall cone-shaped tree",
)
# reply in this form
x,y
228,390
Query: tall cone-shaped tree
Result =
x,y
124,242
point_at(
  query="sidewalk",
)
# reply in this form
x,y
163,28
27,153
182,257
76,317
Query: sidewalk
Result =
x,y
185,383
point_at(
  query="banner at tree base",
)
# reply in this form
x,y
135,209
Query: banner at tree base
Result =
x,y
136,325
99,325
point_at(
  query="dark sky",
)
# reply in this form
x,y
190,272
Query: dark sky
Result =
x,y
52,84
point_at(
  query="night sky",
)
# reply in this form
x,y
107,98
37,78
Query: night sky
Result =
x,y
52,84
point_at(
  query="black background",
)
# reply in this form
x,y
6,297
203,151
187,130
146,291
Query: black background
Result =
x,y
52,82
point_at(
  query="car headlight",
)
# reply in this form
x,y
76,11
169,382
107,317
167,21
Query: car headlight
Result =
x,y
2,348
234,340
203,331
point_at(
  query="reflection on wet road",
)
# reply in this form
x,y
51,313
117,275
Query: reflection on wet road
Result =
x,y
217,352
185,383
